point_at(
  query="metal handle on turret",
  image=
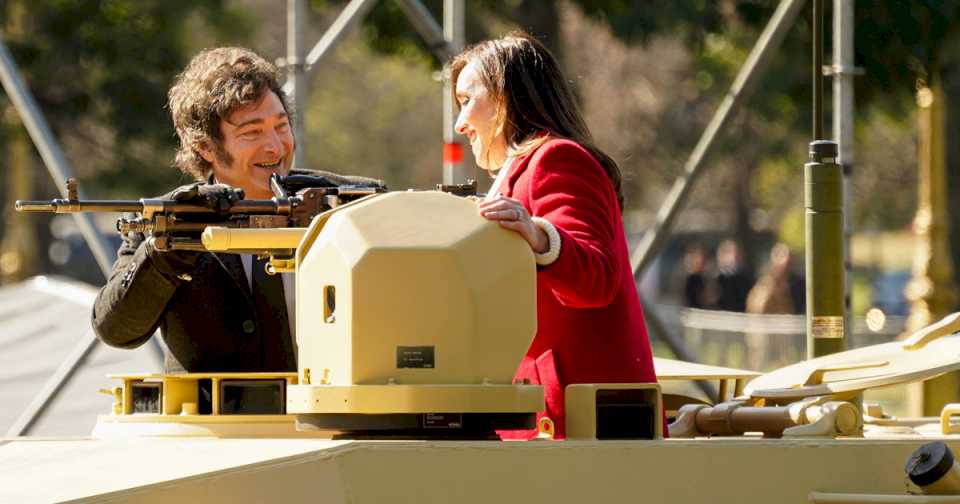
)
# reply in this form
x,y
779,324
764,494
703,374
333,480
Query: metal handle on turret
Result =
x,y
947,325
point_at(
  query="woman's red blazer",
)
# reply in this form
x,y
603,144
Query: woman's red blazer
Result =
x,y
590,328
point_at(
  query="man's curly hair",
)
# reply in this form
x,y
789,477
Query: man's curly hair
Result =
x,y
215,83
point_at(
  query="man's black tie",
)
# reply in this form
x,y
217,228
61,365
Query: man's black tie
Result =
x,y
276,345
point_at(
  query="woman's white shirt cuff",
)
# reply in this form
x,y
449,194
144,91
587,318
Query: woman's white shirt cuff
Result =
x,y
553,235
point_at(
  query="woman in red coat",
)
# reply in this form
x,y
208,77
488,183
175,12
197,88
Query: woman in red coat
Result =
x,y
561,194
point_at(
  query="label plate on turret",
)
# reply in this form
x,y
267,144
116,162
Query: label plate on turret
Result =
x,y
415,357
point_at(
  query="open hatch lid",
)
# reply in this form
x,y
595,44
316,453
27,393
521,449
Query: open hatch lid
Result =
x,y
926,354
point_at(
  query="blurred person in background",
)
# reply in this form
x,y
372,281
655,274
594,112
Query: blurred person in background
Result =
x,y
695,291
732,282
562,195
216,312
779,290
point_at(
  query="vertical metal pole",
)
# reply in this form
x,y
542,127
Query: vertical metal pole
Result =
x,y
297,75
843,72
453,28
823,199
817,70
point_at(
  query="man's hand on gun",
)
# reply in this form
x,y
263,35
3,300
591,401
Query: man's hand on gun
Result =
x,y
217,197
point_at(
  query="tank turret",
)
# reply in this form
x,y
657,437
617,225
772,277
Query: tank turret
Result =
x,y
413,313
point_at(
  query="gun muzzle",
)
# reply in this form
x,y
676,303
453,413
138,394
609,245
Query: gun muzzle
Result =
x,y
34,206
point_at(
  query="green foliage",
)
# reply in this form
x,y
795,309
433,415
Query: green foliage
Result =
x,y
898,42
632,21
775,182
637,21
792,229
387,30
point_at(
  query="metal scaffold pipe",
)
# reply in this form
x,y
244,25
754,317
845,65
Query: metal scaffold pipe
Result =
x,y
297,76
818,69
453,31
843,71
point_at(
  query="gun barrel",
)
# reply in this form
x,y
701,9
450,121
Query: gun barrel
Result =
x,y
134,206
258,207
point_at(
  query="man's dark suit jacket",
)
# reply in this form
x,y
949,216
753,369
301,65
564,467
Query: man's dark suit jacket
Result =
x,y
205,311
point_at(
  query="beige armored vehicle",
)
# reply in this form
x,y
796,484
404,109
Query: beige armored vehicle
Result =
x,y
412,312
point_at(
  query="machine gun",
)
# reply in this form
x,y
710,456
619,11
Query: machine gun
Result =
x,y
178,225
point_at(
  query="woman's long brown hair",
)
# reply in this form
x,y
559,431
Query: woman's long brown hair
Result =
x,y
521,74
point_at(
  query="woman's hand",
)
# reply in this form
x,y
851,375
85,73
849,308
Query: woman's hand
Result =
x,y
511,214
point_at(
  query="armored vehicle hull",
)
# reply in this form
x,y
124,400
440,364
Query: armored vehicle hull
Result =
x,y
747,470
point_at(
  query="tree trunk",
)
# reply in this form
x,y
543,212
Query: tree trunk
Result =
x,y
18,246
743,232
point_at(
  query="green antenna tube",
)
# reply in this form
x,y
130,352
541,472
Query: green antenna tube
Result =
x,y
823,198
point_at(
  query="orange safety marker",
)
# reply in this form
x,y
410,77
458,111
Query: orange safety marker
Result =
x,y
452,153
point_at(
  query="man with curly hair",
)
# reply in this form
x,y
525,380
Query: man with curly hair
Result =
x,y
216,312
